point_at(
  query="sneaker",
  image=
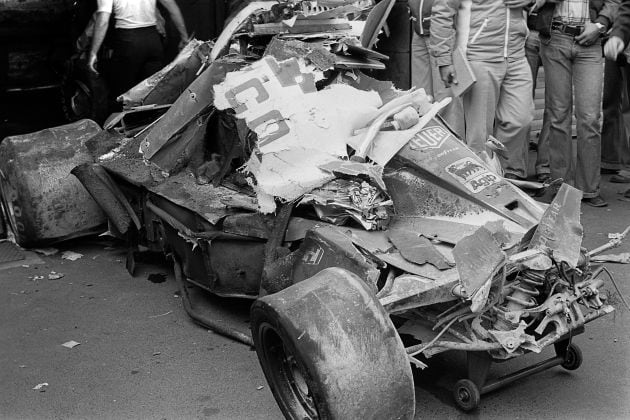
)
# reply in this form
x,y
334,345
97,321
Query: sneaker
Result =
x,y
596,201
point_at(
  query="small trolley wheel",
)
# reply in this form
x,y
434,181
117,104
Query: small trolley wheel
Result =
x,y
573,357
466,395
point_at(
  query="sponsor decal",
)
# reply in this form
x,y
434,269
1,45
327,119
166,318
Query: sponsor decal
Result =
x,y
313,256
429,138
473,175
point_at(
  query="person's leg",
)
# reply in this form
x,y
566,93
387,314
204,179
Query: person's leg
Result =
x,y
127,61
557,61
532,52
154,53
612,130
587,74
624,144
514,114
421,71
542,154
480,103
453,114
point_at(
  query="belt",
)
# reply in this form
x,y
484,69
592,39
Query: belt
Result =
x,y
573,30
532,20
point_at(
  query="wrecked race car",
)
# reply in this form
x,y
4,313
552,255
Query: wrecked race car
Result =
x,y
352,215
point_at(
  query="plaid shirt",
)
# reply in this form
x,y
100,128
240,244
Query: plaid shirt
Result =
x,y
572,12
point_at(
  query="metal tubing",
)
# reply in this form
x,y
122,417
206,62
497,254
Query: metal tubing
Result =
x,y
523,373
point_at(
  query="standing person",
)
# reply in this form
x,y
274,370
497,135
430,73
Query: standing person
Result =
x,y
616,110
619,38
492,35
137,47
570,32
424,70
423,73
532,52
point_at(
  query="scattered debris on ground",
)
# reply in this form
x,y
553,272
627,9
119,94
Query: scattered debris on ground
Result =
x,y
71,344
71,255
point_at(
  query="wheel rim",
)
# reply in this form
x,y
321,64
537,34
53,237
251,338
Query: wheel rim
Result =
x,y
464,396
286,375
570,358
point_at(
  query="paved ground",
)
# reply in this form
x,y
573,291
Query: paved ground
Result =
x,y
141,357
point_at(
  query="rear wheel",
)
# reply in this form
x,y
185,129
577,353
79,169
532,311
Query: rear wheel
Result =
x,y
329,351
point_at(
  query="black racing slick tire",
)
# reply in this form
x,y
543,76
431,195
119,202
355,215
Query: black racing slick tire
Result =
x,y
329,350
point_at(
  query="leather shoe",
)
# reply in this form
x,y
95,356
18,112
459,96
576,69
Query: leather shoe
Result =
x,y
514,177
627,194
620,179
543,178
606,171
596,201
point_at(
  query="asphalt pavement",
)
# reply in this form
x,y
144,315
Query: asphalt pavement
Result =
x,y
141,357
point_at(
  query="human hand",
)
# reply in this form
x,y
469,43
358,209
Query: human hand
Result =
x,y
448,76
513,4
613,47
91,64
589,35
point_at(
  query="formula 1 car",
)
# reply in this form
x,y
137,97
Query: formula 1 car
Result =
x,y
350,213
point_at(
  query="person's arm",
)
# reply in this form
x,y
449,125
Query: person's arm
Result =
x,y
620,34
516,4
608,14
443,37
593,30
178,20
100,30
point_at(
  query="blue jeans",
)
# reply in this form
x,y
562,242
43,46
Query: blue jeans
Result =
x,y
569,65
616,109
532,52
500,103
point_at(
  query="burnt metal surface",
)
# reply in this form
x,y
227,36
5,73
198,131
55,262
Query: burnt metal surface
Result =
x,y
405,186
102,194
42,200
378,244
478,258
283,49
443,160
212,203
247,224
450,231
327,247
560,232
411,291
188,108
417,249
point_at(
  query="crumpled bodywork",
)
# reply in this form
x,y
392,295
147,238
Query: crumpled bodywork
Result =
x,y
296,154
